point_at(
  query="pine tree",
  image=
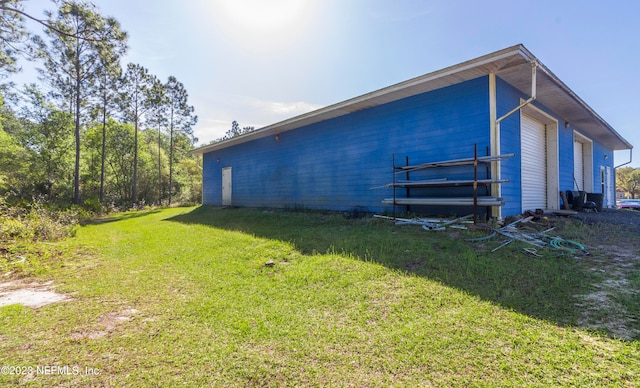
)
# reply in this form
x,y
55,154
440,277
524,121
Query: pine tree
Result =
x,y
136,99
180,117
79,35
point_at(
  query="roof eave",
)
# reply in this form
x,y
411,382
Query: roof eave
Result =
x,y
507,59
615,143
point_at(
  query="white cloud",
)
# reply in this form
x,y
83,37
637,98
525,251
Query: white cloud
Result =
x,y
284,110
211,129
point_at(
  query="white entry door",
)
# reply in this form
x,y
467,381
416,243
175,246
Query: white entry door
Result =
x,y
226,186
609,193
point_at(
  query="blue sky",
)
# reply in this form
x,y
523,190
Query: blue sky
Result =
x,y
259,62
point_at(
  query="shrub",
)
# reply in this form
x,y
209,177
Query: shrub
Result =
x,y
35,221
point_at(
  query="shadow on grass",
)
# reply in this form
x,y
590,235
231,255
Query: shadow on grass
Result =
x,y
543,287
120,217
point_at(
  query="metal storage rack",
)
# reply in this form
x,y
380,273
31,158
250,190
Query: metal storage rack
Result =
x,y
475,201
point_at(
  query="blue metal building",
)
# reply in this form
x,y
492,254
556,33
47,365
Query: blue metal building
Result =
x,y
342,156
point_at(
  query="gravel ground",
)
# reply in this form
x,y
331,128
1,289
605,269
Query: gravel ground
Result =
x,y
630,218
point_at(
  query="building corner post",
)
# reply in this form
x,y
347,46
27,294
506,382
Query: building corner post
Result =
x,y
494,128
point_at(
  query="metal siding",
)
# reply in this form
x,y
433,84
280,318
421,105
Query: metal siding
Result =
x,y
603,157
508,98
566,160
334,163
534,165
211,180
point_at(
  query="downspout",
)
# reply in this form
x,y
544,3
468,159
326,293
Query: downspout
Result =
x,y
630,159
496,190
615,174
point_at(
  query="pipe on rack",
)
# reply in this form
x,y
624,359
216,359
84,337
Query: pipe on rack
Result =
x,y
444,201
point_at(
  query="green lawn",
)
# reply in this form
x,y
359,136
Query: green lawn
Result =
x,y
183,297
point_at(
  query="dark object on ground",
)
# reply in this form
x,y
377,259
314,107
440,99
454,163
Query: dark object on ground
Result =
x,y
596,200
576,199
564,213
580,200
590,205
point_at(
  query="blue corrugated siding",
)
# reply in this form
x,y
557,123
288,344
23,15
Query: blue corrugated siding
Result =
x,y
599,160
211,180
334,164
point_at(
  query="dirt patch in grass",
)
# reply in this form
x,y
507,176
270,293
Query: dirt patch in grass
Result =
x,y
29,293
106,324
615,261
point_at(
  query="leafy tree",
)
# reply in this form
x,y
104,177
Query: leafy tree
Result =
x,y
119,161
12,154
628,179
235,131
187,172
47,138
136,98
72,60
147,173
90,166
9,151
180,117
158,118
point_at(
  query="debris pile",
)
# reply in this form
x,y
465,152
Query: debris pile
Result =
x,y
431,223
513,232
539,240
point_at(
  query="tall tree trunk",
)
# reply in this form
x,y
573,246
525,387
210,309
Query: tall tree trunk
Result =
x,y
76,177
170,156
135,166
104,147
159,171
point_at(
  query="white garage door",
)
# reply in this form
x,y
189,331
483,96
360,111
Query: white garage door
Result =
x,y
534,164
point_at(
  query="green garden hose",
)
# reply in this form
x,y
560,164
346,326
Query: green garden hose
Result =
x,y
567,245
